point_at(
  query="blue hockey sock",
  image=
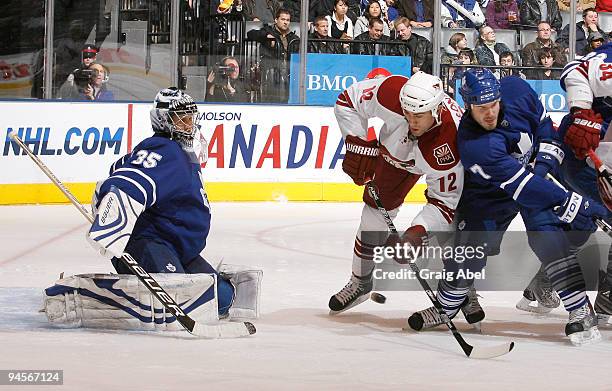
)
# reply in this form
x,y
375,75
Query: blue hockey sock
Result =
x,y
451,297
567,279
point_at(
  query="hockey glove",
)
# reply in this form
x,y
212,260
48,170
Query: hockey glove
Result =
x,y
604,180
550,155
360,158
584,131
415,236
580,211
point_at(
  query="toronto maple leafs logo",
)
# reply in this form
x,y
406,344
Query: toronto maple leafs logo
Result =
x,y
444,155
171,267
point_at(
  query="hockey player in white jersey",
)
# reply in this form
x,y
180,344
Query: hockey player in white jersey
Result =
x,y
418,138
588,83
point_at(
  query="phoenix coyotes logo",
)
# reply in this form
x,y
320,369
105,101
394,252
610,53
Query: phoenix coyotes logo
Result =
x,y
444,155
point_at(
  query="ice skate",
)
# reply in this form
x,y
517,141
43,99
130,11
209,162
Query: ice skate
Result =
x,y
582,326
355,292
473,312
541,292
603,302
430,318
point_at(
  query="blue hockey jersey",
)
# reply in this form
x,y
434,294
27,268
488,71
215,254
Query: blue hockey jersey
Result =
x,y
496,162
163,177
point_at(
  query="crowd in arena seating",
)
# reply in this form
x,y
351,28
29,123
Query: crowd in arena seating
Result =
x,y
403,28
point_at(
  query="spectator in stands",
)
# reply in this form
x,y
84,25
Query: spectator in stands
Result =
x,y
277,43
390,13
530,52
417,47
588,25
502,14
487,50
321,27
564,5
603,6
363,22
420,12
379,42
506,59
456,43
224,84
547,62
322,7
595,40
462,13
465,57
96,89
534,11
341,27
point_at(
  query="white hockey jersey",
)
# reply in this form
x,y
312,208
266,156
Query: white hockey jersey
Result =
x,y
434,154
588,82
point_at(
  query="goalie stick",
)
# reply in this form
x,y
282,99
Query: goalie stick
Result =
x,y
222,330
469,350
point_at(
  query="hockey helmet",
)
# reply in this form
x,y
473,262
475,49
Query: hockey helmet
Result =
x,y
421,93
175,114
480,86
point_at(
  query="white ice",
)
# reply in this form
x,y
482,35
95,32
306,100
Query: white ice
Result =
x,y
305,250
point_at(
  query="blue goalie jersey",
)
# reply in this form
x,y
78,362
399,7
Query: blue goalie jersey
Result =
x,y
167,180
498,176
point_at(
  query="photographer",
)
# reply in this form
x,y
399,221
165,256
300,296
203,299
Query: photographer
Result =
x,y
69,89
224,84
95,89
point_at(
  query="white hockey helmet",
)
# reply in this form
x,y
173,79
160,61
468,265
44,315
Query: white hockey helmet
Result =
x,y
169,114
421,93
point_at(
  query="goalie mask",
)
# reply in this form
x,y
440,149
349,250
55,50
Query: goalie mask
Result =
x,y
176,115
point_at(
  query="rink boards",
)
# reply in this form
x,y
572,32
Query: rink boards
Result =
x,y
256,152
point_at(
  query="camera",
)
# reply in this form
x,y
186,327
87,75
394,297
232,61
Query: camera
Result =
x,y
223,70
84,77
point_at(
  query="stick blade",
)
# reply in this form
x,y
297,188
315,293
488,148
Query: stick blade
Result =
x,y
223,330
484,352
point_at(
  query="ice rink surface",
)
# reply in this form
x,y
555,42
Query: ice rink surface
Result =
x,y
305,250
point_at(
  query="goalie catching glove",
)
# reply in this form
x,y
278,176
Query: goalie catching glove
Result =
x,y
360,158
584,132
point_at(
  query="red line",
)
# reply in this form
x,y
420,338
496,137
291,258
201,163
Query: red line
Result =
x,y
129,140
40,245
321,149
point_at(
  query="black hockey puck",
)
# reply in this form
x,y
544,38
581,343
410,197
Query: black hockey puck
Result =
x,y
378,298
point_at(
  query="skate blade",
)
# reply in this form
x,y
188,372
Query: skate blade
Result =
x,y
604,320
477,326
525,305
589,336
358,301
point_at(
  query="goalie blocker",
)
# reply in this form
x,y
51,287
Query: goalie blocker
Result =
x,y
118,301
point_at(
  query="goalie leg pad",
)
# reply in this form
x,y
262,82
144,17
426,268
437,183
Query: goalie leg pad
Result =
x,y
247,289
122,302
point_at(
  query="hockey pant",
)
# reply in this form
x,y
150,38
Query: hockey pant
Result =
x,y
547,239
393,186
156,257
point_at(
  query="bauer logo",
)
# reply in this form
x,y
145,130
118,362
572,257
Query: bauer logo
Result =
x,y
443,154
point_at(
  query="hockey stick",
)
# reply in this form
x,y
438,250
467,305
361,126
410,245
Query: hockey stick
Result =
x,y
469,350
223,330
599,222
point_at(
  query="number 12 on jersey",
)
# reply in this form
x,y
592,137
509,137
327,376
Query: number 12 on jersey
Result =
x,y
448,181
